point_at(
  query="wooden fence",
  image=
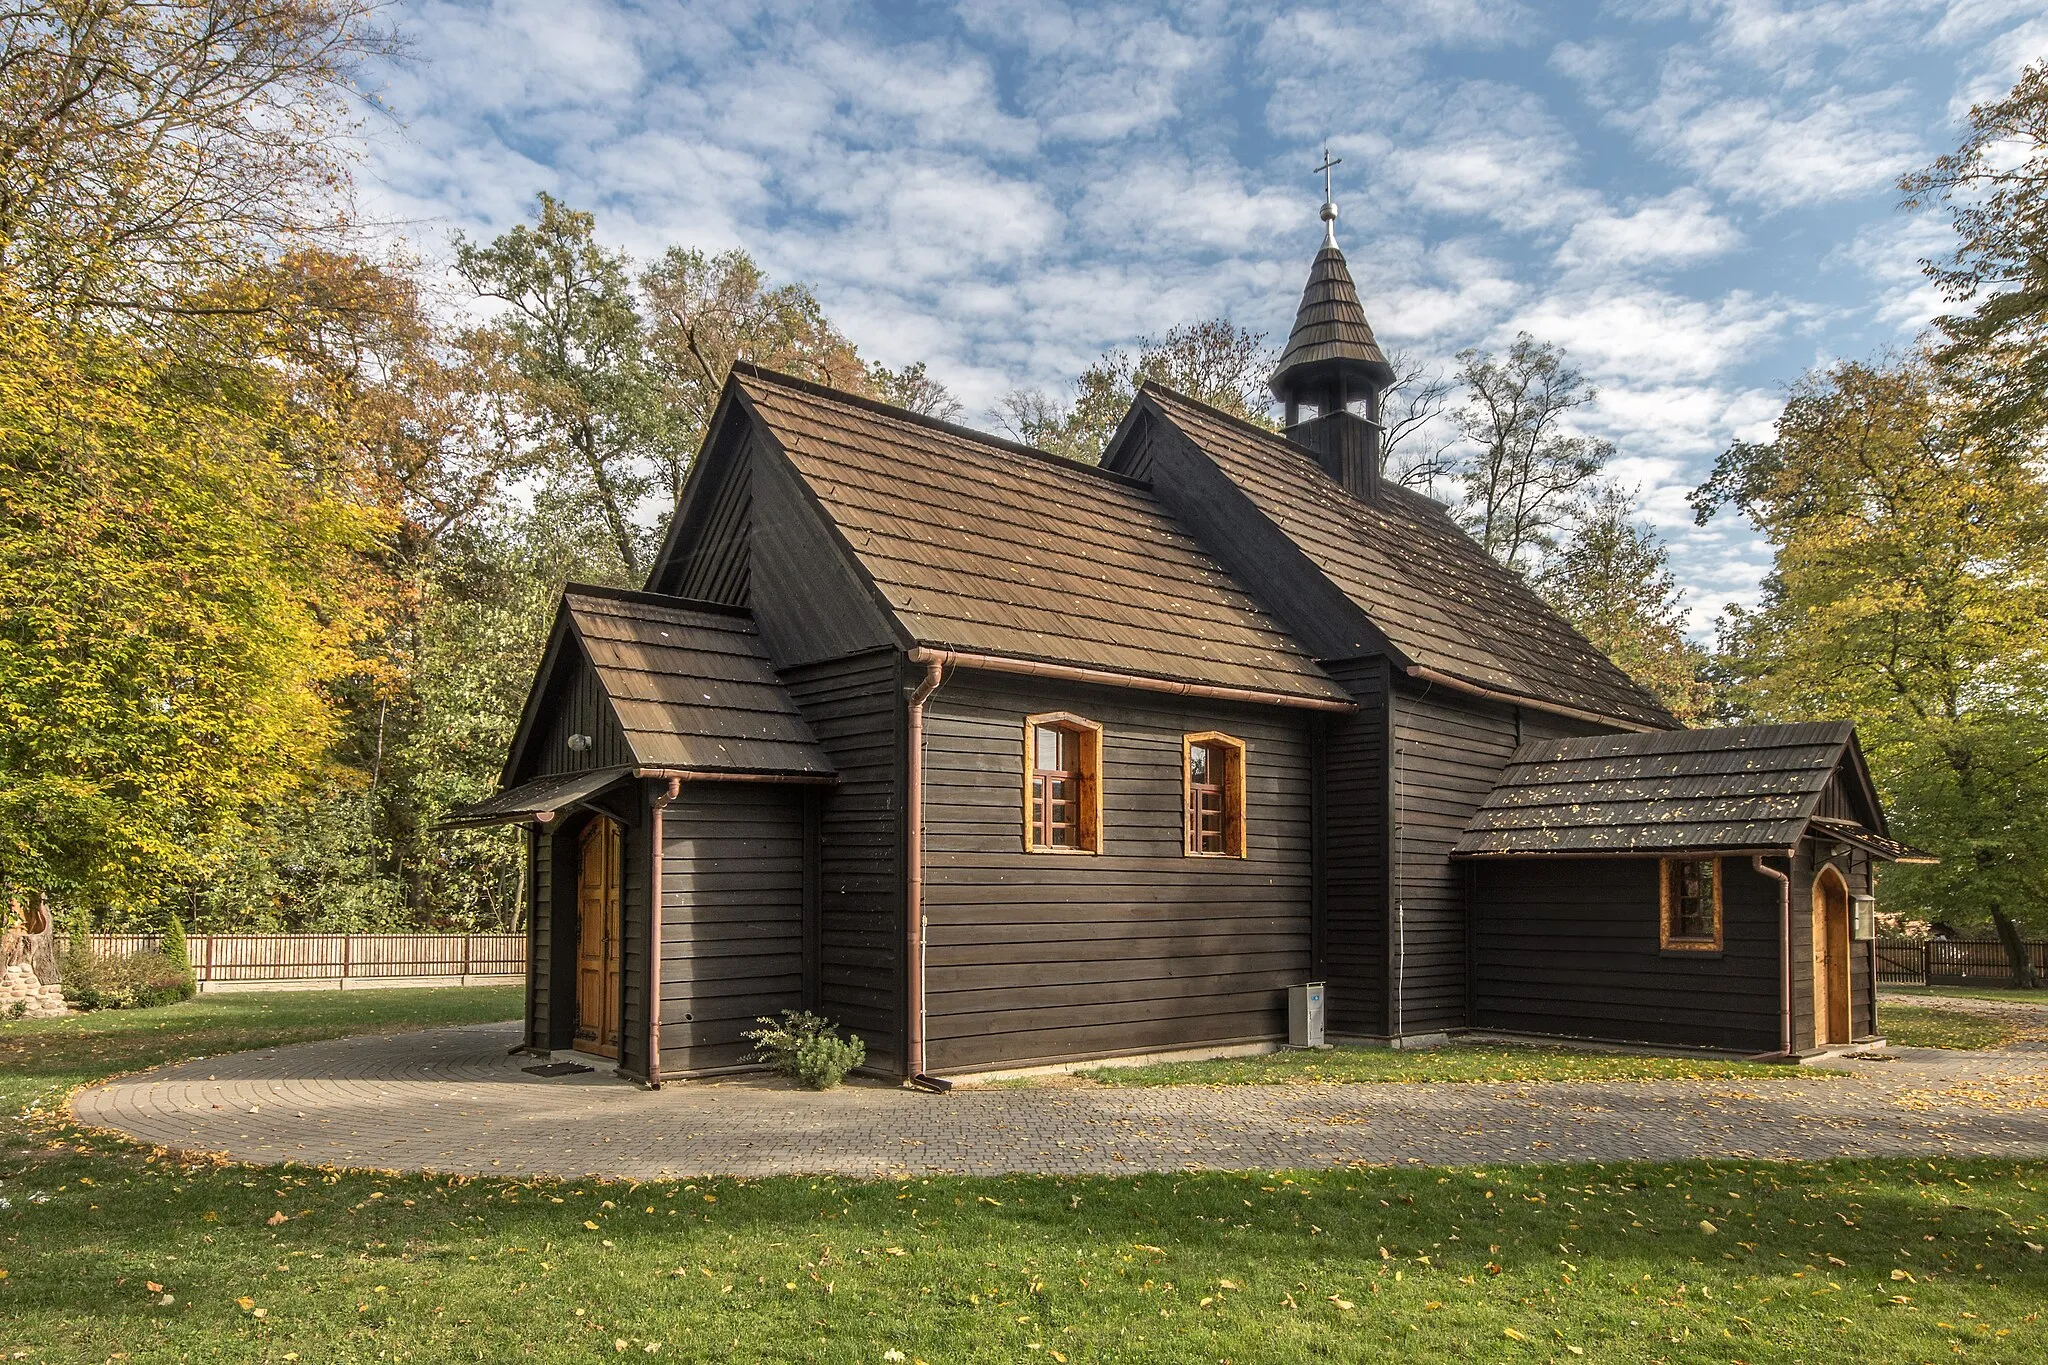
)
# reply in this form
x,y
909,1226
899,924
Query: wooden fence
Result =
x,y
223,961
1954,961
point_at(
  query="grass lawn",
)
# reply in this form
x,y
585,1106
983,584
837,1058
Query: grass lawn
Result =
x,y
1453,1063
112,1252
1927,1026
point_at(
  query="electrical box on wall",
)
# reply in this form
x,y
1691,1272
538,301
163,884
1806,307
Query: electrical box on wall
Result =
x,y
1862,917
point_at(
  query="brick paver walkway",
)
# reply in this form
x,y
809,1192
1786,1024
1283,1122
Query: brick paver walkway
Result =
x,y
452,1100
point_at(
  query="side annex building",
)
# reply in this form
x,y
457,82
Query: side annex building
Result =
x,y
1001,760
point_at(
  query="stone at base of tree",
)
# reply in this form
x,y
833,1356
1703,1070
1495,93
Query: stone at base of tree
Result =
x,y
19,987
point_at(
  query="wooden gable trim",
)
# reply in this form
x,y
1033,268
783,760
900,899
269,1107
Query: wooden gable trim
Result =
x,y
767,445
708,464
1235,814
1853,767
543,678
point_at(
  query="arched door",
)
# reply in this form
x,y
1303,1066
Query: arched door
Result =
x,y
1830,958
598,939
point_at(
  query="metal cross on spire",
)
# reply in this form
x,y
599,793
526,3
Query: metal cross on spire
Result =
x,y
1329,199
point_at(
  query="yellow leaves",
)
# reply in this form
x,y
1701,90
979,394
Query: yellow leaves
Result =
x,y
245,1303
151,1285
2034,1247
984,1199
1343,1305
894,1251
1148,1247
1708,1228
279,1217
590,1225
1904,1275
1512,1334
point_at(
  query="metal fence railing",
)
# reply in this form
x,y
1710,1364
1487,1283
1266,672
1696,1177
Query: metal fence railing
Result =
x,y
335,959
1953,961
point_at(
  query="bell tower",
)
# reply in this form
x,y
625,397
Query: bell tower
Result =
x,y
1333,373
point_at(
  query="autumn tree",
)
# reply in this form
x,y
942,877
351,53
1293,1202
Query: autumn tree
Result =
x,y
149,150
1909,593
1214,361
1995,188
1411,446
178,591
703,313
1612,580
1523,470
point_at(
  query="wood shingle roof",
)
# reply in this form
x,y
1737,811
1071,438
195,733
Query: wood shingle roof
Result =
x,y
692,686
1330,326
1749,788
979,545
1440,600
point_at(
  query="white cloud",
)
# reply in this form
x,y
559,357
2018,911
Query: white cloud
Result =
x,y
1653,335
1681,228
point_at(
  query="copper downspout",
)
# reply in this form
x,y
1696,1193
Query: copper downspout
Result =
x,y
661,804
997,663
913,880
1756,860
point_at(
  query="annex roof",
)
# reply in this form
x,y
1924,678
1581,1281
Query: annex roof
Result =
x,y
1750,788
1441,601
979,545
691,685
541,799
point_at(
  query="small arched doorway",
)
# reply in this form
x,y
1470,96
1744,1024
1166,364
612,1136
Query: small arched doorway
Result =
x,y
599,941
1830,958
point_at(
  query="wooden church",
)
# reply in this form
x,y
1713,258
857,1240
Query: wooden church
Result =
x,y
1000,760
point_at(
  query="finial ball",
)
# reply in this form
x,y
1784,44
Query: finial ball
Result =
x,y
1329,214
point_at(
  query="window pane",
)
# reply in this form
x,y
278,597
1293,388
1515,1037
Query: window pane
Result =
x,y
1048,748
1198,763
1692,899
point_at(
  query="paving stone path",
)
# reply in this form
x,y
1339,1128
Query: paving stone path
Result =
x,y
453,1100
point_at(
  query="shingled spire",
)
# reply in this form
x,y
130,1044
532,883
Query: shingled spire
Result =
x,y
1333,367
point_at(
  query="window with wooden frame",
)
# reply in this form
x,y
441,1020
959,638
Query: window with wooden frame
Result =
x,y
1690,921
1062,784
1212,776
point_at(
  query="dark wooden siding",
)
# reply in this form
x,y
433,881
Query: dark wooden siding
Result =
x,y
732,889
1044,957
632,808
1569,947
540,872
855,707
1355,857
1449,750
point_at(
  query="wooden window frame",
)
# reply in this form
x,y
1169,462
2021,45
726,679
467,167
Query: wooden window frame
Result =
x,y
1667,899
1089,733
1235,842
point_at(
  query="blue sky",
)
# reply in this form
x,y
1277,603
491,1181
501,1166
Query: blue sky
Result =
x,y
1693,197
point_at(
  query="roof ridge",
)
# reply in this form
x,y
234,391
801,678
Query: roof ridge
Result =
x,y
954,429
654,599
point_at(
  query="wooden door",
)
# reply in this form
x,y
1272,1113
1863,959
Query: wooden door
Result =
x,y
1830,959
598,940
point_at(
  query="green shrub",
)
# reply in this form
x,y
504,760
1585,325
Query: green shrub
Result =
x,y
93,981
174,945
807,1047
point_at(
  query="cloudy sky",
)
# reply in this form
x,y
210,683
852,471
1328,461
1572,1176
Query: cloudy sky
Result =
x,y
1693,197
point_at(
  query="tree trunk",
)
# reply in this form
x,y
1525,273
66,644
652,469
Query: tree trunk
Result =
x,y
2015,951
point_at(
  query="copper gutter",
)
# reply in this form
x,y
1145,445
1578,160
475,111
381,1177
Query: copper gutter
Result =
x,y
997,663
661,804
1784,882
713,775
1430,675
913,879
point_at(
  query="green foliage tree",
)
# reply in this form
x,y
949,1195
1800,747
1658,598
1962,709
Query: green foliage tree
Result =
x,y
1523,472
1909,592
571,341
1612,580
1214,360
1995,188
